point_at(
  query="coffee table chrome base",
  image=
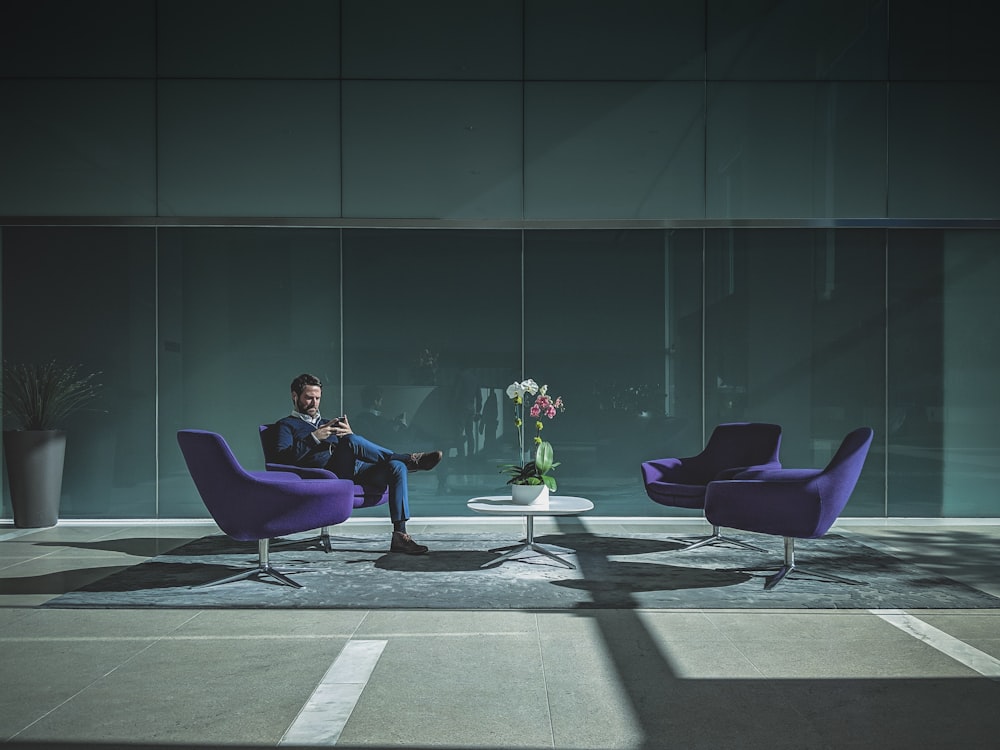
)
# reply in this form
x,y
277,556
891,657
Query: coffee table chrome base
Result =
x,y
529,544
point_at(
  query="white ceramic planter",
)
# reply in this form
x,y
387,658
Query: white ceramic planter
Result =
x,y
530,494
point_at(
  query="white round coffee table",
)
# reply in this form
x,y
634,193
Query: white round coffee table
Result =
x,y
501,505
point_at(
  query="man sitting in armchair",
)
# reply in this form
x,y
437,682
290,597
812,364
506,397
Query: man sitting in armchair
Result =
x,y
305,439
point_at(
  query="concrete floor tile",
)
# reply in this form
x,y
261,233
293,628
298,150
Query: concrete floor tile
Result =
x,y
9,616
969,624
417,623
12,553
979,629
183,691
48,673
94,625
473,691
694,659
35,581
794,625
634,694
599,623
896,713
834,659
293,623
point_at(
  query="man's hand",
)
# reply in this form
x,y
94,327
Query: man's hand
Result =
x,y
343,427
338,426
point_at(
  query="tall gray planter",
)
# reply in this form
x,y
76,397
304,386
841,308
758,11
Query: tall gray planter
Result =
x,y
35,471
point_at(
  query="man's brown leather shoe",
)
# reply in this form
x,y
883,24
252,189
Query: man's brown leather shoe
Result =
x,y
404,543
424,461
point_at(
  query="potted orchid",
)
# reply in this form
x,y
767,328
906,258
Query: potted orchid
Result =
x,y
530,480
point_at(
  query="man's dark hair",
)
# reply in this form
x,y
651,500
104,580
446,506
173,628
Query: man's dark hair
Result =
x,y
300,383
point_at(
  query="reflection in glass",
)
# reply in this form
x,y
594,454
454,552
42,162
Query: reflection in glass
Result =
x,y
87,297
651,336
432,325
795,335
612,324
241,313
944,352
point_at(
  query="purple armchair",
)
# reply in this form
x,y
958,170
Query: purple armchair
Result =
x,y
365,496
732,448
792,503
259,505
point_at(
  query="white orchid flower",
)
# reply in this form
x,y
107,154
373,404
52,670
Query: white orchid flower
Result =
x,y
517,390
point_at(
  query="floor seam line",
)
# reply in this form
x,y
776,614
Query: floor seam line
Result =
x,y
949,645
324,715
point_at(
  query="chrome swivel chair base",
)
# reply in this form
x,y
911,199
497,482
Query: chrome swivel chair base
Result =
x,y
789,570
322,541
718,538
263,569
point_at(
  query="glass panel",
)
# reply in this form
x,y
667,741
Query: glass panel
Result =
x,y
448,317
944,41
444,39
249,148
944,354
795,335
614,150
797,39
248,39
242,312
432,150
943,155
623,354
83,148
796,150
110,39
648,40
87,297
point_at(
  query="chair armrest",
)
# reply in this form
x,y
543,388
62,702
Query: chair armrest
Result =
x,y
664,470
302,471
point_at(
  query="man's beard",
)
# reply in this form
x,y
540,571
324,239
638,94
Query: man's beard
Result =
x,y
303,409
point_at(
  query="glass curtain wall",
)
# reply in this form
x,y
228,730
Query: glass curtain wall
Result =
x,y
652,337
673,212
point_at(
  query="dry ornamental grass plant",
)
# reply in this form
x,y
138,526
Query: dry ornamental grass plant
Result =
x,y
40,397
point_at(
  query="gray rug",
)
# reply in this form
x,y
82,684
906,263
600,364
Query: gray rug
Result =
x,y
614,571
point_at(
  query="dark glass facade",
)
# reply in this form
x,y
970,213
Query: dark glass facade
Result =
x,y
674,213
